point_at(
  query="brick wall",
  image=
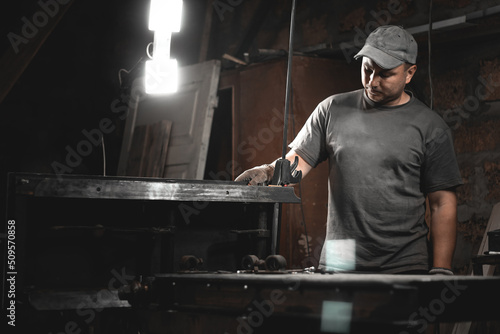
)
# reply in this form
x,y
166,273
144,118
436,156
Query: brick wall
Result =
x,y
466,95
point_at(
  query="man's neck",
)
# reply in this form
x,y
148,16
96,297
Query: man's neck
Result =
x,y
404,98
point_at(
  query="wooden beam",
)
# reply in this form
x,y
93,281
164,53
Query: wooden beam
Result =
x,y
26,42
207,28
254,26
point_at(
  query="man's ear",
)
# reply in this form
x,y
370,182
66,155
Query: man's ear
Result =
x,y
410,72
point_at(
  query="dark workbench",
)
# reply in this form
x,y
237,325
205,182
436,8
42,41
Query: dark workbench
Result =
x,y
295,302
79,235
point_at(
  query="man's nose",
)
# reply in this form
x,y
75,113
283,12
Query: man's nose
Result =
x,y
373,81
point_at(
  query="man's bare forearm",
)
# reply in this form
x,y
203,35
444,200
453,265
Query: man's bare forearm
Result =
x,y
443,227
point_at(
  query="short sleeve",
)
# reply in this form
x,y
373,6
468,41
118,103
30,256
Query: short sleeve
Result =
x,y
440,167
310,142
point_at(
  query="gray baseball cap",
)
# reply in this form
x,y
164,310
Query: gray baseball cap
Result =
x,y
389,47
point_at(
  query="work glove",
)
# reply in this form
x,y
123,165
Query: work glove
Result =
x,y
257,176
440,271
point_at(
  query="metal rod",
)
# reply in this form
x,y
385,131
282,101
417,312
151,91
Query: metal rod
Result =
x,y
288,80
263,225
275,229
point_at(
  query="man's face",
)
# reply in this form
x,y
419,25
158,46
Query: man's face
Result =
x,y
386,86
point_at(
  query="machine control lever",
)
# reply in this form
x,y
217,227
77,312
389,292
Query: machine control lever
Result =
x,y
285,174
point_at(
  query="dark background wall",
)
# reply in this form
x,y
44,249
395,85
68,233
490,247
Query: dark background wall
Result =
x,y
73,81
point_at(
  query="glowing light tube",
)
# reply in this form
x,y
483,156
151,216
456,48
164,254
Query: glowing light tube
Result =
x,y
165,15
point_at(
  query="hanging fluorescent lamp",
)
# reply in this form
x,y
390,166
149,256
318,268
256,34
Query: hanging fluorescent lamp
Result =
x,y
161,71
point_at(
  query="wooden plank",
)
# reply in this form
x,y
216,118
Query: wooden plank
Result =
x,y
166,130
230,80
148,151
156,155
136,153
207,27
24,48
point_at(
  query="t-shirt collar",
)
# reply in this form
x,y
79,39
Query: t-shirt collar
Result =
x,y
370,104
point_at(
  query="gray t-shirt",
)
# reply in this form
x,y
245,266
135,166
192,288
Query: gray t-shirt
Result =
x,y
382,162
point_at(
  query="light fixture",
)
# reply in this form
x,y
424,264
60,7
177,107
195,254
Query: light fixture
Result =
x,y
161,71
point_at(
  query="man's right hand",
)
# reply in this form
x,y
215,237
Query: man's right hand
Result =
x,y
257,176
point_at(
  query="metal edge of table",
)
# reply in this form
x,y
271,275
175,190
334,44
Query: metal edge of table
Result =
x,y
136,188
335,279
448,298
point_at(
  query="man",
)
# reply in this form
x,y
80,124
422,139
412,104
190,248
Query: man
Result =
x,y
387,152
